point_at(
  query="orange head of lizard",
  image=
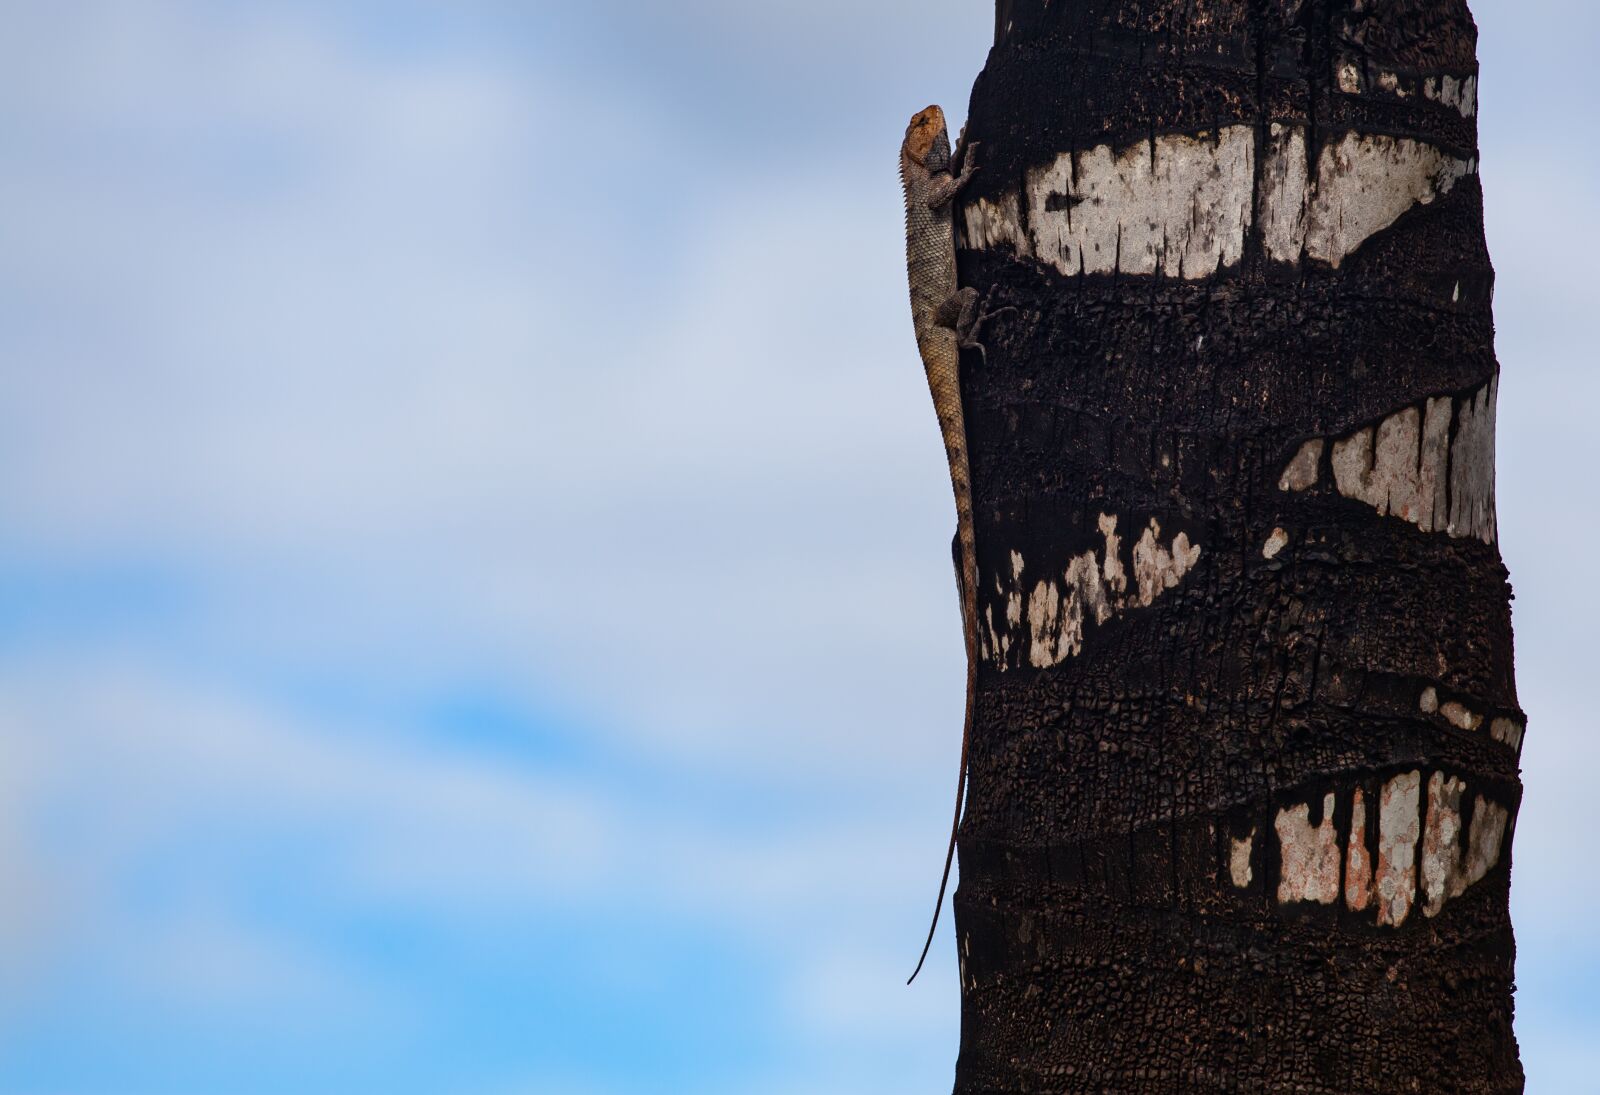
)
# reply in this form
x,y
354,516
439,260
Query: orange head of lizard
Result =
x,y
928,140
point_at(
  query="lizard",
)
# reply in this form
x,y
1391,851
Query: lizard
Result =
x,y
947,319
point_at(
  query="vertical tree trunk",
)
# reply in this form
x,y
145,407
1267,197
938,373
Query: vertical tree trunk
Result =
x,y
1245,769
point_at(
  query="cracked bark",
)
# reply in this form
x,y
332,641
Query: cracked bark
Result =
x,y
1250,832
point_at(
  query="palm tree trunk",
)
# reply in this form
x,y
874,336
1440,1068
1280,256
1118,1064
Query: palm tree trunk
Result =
x,y
1245,770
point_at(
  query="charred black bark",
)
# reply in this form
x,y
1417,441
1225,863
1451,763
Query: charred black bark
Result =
x,y
1241,603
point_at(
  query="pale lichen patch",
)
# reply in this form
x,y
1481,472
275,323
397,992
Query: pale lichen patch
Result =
x,y
1085,596
1446,873
1460,716
1116,577
1239,860
1276,542
1302,471
1429,701
1358,863
1398,804
1155,567
1308,855
1421,856
1441,853
1044,620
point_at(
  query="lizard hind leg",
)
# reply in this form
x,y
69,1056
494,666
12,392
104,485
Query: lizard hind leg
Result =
x,y
964,313
958,311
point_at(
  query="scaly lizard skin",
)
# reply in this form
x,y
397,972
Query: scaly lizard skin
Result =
x,y
939,310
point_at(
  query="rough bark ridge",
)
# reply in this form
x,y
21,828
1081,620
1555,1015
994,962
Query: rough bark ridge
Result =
x,y
1245,771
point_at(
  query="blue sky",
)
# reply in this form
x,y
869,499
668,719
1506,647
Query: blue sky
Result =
x,y
474,594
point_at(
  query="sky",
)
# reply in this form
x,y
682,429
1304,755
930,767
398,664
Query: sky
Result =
x,y
475,610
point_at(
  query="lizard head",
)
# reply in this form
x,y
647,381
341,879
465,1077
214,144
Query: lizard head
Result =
x,y
928,140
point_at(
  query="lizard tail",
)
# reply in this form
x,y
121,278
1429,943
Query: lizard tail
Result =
x,y
955,823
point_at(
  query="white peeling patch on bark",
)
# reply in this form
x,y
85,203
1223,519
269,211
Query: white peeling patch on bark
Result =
x,y
1239,861
1407,466
1397,846
1056,620
995,644
1472,511
987,224
990,641
1303,470
1093,586
1507,732
1275,543
1176,204
1309,856
1446,873
1364,182
1441,843
1400,466
1181,204
1358,863
1453,91
1459,92
1503,729
1284,194
1484,840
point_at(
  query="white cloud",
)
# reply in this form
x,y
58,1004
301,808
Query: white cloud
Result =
x,y
208,959
167,760
414,373
145,775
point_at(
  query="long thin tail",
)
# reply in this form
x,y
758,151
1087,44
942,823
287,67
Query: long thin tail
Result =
x,y
955,823
964,558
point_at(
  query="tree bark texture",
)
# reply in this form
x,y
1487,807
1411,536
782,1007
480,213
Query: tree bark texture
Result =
x,y
1245,769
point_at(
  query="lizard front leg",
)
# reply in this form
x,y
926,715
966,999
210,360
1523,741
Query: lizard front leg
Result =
x,y
945,186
